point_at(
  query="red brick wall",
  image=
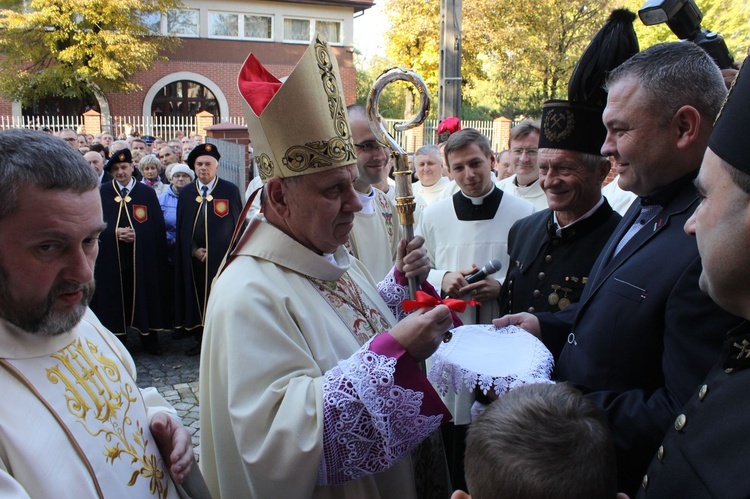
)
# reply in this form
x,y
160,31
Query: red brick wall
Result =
x,y
220,61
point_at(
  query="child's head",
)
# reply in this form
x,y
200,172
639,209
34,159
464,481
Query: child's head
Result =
x,y
540,441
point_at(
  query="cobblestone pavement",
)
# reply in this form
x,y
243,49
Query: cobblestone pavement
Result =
x,y
174,375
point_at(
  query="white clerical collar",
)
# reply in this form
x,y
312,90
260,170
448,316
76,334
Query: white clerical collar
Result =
x,y
480,199
583,217
210,185
129,186
367,200
331,257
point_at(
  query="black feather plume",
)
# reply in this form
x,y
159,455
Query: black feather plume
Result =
x,y
611,46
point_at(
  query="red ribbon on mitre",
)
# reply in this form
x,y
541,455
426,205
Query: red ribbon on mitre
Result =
x,y
425,300
256,84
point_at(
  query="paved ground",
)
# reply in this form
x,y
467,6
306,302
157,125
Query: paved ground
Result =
x,y
174,375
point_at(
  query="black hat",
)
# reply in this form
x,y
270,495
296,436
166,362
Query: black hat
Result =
x,y
121,156
576,124
730,130
572,126
202,150
148,139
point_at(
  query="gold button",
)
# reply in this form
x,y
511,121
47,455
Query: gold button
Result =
x,y
729,370
537,293
548,258
541,276
532,310
680,422
644,482
702,392
660,453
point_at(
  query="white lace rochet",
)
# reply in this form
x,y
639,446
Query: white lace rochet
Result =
x,y
484,356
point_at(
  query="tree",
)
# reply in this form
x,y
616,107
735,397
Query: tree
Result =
x,y
66,48
516,54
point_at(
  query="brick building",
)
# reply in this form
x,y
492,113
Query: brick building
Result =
x,y
216,37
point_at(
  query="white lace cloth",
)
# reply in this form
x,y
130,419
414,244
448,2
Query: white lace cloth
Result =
x,y
484,356
370,423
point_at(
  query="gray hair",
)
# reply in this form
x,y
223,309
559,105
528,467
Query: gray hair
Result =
x,y
428,149
149,159
674,74
39,160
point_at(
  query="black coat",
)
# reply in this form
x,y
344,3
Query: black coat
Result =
x,y
643,335
547,271
141,263
707,456
193,280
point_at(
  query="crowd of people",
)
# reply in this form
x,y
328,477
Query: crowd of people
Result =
x,y
313,375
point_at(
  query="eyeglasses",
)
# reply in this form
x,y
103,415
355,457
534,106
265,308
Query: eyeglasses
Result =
x,y
520,150
369,146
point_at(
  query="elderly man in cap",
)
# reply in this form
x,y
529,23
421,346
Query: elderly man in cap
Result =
x,y
132,255
551,252
643,335
73,422
207,211
705,452
309,388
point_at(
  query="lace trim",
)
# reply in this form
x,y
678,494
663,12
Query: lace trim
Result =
x,y
369,422
393,294
450,373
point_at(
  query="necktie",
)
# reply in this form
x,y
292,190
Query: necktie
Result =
x,y
124,192
204,190
647,213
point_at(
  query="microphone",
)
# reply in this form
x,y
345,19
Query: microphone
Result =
x,y
489,268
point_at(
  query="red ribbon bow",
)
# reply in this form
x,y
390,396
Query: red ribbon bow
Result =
x,y
426,300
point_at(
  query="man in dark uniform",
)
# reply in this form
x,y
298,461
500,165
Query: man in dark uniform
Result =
x,y
705,452
207,211
129,271
643,336
552,251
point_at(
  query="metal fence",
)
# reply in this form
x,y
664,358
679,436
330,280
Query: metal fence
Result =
x,y
232,163
166,127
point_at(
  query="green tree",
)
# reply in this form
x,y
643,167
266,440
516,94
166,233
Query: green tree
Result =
x,y
66,48
516,54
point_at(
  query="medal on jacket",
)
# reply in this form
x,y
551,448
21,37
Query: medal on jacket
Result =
x,y
553,297
564,301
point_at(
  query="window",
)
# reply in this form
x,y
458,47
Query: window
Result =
x,y
152,21
224,25
297,30
182,22
300,30
258,27
230,25
330,31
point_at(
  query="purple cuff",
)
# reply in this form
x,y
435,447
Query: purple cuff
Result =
x,y
409,376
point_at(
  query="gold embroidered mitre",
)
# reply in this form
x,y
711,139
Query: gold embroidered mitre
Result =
x,y
300,126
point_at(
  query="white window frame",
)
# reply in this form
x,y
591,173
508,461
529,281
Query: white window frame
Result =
x,y
240,26
165,27
312,22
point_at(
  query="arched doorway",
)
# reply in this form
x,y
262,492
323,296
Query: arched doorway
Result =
x,y
184,98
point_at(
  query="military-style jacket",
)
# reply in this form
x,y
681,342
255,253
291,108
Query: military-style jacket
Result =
x,y
547,272
705,452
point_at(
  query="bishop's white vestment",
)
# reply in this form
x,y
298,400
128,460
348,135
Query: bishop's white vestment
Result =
x,y
300,395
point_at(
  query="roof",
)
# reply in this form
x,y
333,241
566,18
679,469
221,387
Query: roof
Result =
x,y
357,5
